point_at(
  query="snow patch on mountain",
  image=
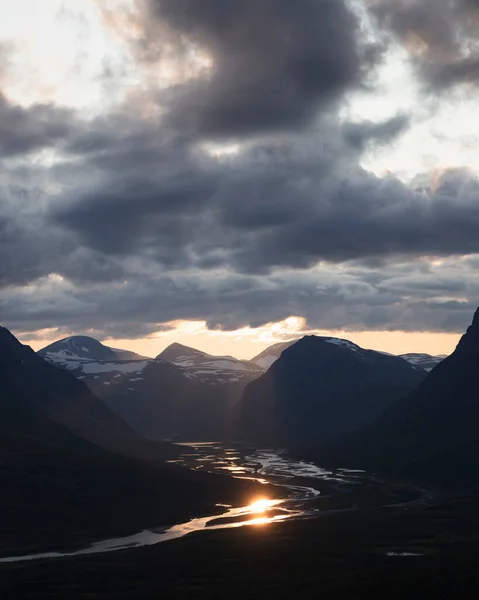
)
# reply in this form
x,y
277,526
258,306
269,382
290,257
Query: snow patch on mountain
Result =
x,y
422,360
211,370
344,343
128,367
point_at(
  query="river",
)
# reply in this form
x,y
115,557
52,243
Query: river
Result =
x,y
304,491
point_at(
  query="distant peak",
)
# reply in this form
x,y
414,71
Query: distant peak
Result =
x,y
175,350
81,347
178,346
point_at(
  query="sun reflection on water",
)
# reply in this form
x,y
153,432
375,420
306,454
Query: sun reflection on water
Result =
x,y
261,505
259,521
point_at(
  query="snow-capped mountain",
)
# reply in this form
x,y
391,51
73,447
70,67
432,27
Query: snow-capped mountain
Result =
x,y
266,358
78,347
425,361
322,388
71,351
269,356
183,391
211,370
91,360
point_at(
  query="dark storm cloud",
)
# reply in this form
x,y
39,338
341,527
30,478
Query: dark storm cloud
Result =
x,y
358,135
23,130
32,247
440,35
329,299
280,204
274,62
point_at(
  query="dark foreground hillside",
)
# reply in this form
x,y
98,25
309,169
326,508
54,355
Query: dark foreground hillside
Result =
x,y
431,435
339,557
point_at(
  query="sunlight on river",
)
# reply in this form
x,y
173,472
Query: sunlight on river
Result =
x,y
290,477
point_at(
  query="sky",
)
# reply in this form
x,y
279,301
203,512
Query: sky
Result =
x,y
232,174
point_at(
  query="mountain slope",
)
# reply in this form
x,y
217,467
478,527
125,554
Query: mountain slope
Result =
x,y
59,489
164,400
266,358
182,392
425,361
321,389
433,432
128,355
64,398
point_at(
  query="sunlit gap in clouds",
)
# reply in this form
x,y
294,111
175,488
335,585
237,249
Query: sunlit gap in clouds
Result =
x,y
53,49
442,136
247,342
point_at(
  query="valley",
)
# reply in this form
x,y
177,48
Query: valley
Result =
x,y
293,490
318,488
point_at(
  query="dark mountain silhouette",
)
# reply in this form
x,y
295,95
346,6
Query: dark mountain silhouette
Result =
x,y
434,432
64,398
182,393
60,485
321,389
164,400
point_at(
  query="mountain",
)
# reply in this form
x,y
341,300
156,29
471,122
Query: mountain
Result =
x,y
64,398
321,389
211,370
425,361
78,347
266,358
434,432
61,486
165,400
86,356
183,392
102,368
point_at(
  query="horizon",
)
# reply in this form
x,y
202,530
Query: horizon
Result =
x,y
363,339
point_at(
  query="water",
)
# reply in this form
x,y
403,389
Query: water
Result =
x,y
297,482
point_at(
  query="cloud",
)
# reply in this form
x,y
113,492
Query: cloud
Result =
x,y
399,297
440,36
289,203
126,221
26,130
359,135
274,63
